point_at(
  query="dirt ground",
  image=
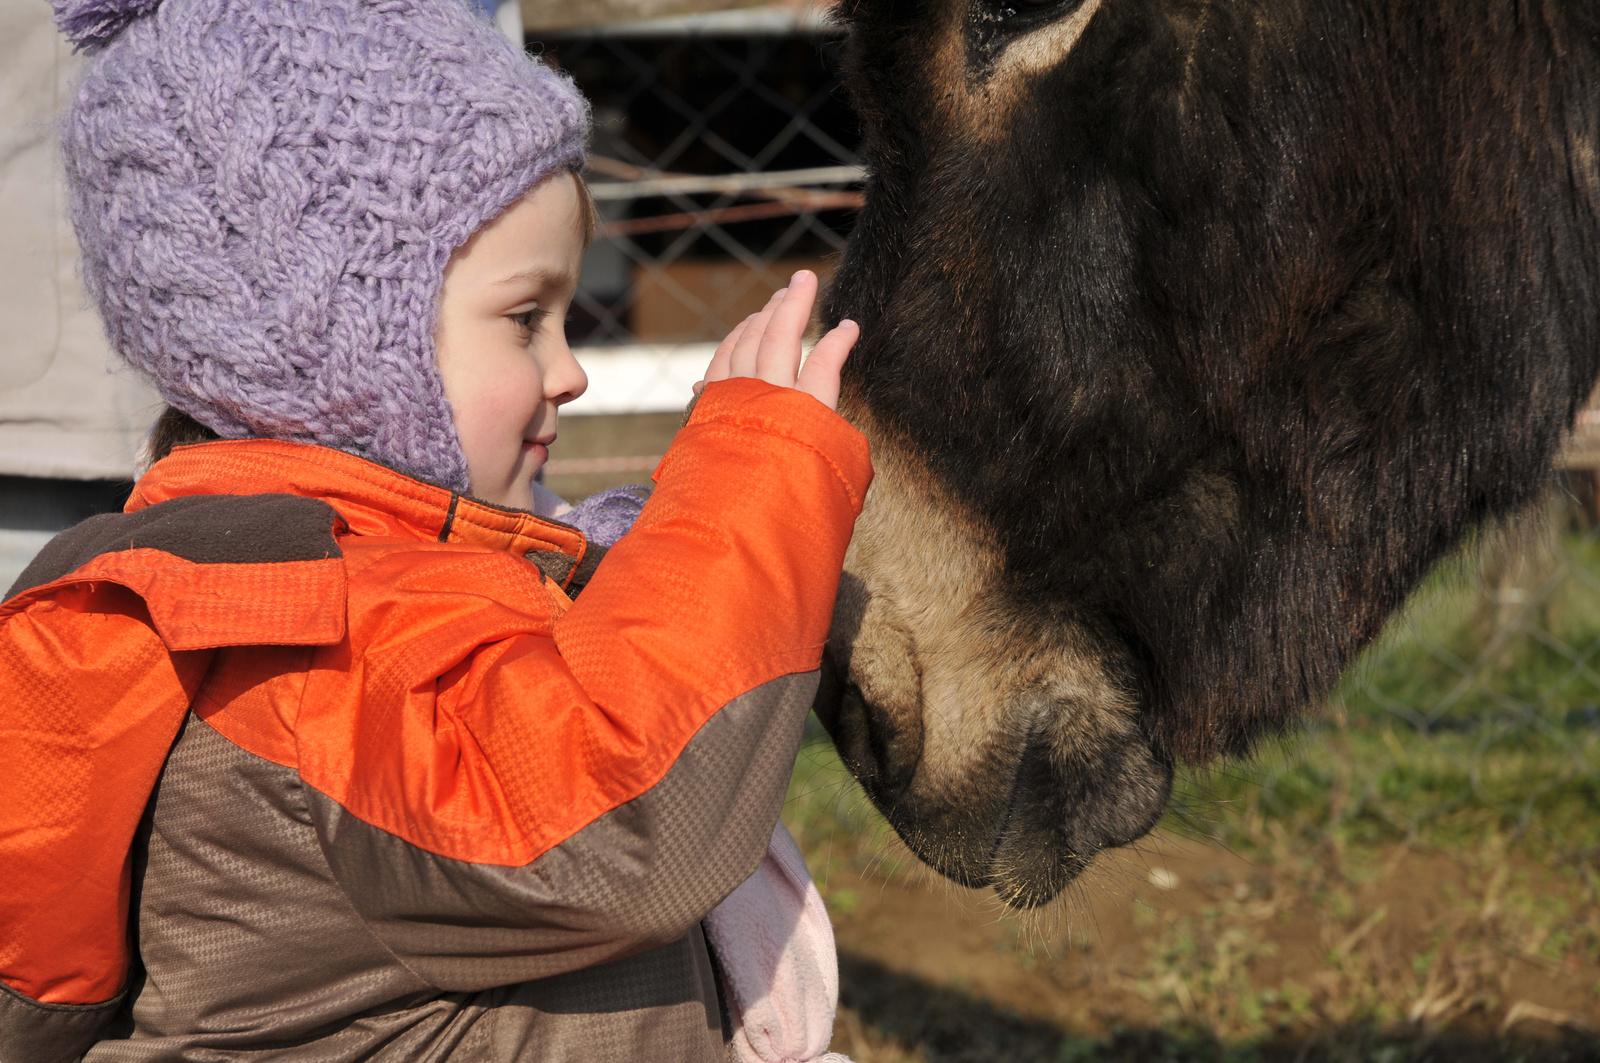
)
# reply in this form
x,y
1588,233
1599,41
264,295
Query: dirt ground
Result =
x,y
1184,951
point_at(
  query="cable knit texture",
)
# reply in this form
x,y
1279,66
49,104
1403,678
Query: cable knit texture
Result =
x,y
267,192
605,517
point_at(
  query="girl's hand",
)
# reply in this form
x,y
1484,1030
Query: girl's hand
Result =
x,y
767,346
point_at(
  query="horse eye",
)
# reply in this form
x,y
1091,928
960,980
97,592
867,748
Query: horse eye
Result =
x,y
1009,8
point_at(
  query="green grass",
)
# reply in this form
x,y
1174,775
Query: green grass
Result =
x,y
1493,641
1475,712
1469,730
1382,784
1468,718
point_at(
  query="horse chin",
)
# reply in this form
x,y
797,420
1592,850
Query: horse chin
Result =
x,y
1026,814
1001,744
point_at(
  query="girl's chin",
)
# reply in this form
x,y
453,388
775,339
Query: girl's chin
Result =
x,y
515,491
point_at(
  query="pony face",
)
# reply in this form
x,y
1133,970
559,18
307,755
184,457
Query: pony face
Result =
x,y
1195,332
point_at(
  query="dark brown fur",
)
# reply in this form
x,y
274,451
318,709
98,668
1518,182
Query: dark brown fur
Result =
x,y
1222,328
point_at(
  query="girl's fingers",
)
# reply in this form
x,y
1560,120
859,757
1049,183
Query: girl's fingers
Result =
x,y
778,357
766,345
819,377
718,369
743,360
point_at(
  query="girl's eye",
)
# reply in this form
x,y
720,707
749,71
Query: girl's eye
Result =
x,y
528,320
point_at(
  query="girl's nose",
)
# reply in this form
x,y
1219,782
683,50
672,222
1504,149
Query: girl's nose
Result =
x,y
564,378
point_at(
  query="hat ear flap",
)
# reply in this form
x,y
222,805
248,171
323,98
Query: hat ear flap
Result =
x,y
93,23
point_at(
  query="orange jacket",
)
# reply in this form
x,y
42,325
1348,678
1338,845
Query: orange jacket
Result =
x,y
362,702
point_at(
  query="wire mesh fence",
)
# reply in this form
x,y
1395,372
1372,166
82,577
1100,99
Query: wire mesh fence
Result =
x,y
723,160
1475,715
1507,637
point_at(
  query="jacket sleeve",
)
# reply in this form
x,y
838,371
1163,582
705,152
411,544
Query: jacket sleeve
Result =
x,y
93,701
567,796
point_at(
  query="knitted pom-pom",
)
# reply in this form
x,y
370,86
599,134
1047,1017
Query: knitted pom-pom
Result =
x,y
91,23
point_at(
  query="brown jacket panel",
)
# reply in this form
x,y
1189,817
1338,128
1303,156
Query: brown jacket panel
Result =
x,y
206,529
638,877
238,903
235,908
657,1005
34,1032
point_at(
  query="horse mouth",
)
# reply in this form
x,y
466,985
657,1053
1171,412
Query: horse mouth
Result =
x,y
1026,815
1003,742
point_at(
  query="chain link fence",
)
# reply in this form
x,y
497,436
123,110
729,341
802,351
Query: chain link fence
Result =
x,y
1475,715
723,160
1506,637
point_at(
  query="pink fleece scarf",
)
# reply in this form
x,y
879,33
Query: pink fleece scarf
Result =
x,y
775,947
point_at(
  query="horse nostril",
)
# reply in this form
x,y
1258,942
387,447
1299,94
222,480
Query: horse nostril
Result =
x,y
1071,801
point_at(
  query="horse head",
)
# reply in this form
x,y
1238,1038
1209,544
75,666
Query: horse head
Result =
x,y
1194,333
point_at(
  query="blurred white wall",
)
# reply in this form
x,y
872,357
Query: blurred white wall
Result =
x,y
67,410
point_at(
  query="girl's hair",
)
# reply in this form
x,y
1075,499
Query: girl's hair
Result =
x,y
174,428
588,213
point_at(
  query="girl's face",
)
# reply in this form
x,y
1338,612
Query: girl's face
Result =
x,y
501,341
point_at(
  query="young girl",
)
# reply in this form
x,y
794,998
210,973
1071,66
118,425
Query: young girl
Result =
x,y
315,753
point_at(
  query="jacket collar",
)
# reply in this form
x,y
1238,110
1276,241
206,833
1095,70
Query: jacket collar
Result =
x,y
372,500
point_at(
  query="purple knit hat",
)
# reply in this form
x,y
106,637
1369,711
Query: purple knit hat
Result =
x,y
267,192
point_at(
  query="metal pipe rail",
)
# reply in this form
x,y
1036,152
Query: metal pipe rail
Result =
x,y
772,181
